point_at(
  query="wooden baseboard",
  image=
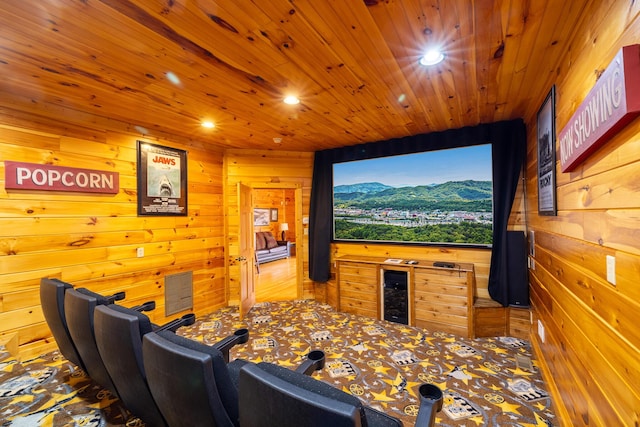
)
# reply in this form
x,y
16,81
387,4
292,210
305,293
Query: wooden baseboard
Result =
x,y
562,416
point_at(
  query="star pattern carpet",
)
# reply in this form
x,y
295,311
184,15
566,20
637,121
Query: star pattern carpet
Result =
x,y
485,381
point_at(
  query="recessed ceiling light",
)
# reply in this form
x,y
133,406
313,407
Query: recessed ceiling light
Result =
x,y
291,100
173,78
209,125
432,57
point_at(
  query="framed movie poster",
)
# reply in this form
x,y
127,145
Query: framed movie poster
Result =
x,y
162,180
547,155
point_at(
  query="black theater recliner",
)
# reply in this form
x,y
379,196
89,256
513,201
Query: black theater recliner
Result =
x,y
118,333
271,395
79,305
191,382
52,293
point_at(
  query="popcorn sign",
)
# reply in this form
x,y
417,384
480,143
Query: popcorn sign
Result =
x,y
30,176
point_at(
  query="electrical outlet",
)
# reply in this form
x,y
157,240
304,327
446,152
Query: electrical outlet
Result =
x,y
540,330
611,269
140,252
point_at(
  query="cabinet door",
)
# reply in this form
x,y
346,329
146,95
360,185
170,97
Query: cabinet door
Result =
x,y
441,300
358,284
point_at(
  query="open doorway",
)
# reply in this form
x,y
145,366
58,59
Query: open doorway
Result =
x,y
279,277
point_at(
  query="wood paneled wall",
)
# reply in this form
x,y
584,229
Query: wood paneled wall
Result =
x,y
90,240
262,169
591,350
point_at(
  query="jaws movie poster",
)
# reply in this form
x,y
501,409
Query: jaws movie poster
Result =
x,y
162,178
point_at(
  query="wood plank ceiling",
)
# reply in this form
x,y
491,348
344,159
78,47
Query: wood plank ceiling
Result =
x,y
167,65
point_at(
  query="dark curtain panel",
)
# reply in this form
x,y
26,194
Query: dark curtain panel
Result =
x,y
321,217
508,154
508,140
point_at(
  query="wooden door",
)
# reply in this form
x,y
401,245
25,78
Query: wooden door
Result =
x,y
245,256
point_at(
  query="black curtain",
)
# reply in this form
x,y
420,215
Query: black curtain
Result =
x,y
508,141
321,217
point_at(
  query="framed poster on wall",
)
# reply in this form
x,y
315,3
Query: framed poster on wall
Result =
x,y
261,216
546,128
162,180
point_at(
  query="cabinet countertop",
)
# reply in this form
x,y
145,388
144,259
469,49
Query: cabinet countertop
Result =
x,y
422,263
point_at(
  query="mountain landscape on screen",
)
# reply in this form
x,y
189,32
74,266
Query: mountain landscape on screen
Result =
x,y
459,212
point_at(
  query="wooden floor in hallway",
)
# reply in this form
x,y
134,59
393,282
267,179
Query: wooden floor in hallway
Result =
x,y
276,281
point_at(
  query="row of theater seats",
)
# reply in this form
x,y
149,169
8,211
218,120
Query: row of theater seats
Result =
x,y
170,381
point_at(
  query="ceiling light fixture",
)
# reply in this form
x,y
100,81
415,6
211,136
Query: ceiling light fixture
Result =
x,y
277,140
209,125
432,57
291,100
141,129
173,78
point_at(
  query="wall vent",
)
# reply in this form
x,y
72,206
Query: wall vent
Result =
x,y
178,292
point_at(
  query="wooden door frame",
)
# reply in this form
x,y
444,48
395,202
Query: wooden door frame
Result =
x,y
246,254
234,299
298,225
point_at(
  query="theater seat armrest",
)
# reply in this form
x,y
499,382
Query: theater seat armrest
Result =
x,y
186,320
240,336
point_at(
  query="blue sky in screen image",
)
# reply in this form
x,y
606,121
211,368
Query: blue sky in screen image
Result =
x,y
432,167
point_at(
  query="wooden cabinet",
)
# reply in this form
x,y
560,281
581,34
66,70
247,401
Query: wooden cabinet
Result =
x,y
444,298
491,318
358,284
440,298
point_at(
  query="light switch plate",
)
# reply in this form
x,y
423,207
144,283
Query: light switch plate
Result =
x,y
611,269
540,330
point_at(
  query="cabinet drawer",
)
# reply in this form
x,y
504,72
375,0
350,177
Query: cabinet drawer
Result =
x,y
453,309
357,285
446,279
358,270
444,327
359,307
439,298
442,288
441,317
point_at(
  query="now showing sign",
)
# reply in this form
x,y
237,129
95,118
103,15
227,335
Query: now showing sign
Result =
x,y
610,105
31,176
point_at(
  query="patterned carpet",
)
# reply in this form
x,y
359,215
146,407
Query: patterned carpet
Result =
x,y
486,381
50,391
